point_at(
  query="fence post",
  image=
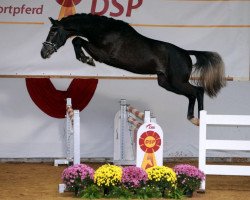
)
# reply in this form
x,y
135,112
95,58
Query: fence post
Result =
x,y
202,144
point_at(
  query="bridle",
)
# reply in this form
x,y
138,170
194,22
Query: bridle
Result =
x,y
52,45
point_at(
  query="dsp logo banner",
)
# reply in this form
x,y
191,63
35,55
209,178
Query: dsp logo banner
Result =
x,y
221,26
100,7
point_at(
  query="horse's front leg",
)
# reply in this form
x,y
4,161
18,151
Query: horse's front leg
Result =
x,y
78,43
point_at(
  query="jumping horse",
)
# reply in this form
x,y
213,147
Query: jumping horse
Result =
x,y
117,44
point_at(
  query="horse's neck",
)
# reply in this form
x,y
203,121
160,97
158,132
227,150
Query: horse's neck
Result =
x,y
80,26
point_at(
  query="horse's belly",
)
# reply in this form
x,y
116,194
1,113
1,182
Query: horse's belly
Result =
x,y
134,55
135,65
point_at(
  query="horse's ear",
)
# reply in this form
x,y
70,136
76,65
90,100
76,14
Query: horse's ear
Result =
x,y
52,20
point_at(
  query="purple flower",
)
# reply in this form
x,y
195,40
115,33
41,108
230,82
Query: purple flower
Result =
x,y
134,176
189,171
74,175
188,177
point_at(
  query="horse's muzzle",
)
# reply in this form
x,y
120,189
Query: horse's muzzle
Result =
x,y
48,49
44,55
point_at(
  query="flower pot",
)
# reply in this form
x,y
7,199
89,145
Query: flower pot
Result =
x,y
106,191
76,191
188,193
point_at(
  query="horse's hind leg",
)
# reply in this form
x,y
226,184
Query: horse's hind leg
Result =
x,y
78,43
190,115
164,82
191,103
192,93
181,88
200,99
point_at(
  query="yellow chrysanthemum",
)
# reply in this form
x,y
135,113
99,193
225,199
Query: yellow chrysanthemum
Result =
x,y
108,175
162,175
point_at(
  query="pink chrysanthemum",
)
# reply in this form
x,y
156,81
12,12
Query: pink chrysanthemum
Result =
x,y
189,171
134,176
75,175
188,177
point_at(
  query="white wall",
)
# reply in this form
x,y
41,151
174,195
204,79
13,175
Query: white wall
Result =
x,y
27,132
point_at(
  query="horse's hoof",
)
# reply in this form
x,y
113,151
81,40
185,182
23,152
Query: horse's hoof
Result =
x,y
195,121
91,62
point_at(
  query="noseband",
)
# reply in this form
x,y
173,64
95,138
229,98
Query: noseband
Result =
x,y
52,45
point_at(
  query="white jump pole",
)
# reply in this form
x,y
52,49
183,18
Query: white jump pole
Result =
x,y
76,128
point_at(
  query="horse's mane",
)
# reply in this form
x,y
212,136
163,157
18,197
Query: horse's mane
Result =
x,y
103,19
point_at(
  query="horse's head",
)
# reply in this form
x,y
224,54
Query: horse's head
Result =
x,y
56,38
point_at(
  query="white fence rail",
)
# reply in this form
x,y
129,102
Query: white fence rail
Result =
x,y
204,144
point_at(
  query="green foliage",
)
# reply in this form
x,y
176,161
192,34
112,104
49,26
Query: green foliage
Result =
x,y
147,192
119,192
175,194
91,192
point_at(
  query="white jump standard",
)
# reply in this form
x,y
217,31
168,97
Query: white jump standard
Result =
x,y
137,138
72,136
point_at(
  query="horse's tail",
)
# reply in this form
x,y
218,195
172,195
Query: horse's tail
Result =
x,y
210,67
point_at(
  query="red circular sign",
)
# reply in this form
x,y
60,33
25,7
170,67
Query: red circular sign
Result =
x,y
68,3
150,142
